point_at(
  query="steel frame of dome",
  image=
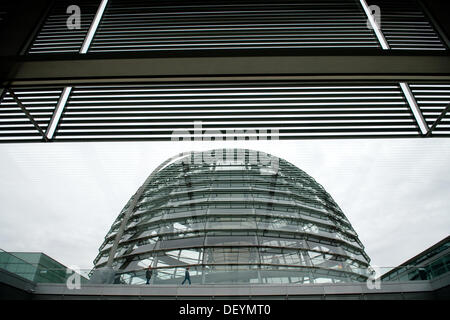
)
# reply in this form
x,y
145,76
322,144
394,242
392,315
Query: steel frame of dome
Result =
x,y
233,216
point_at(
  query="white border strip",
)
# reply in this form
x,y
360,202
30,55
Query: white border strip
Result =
x,y
58,112
415,108
375,26
93,27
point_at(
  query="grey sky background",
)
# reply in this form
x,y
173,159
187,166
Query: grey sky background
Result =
x,y
61,198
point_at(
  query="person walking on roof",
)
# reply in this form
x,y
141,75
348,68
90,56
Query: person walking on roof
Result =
x,y
148,274
187,276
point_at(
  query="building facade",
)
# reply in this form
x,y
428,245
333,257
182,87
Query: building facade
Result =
x,y
36,267
233,216
430,264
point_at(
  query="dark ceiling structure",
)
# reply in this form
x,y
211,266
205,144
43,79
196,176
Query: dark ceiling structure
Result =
x,y
161,71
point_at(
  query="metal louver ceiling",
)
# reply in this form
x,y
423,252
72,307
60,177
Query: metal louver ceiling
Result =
x,y
145,26
137,25
164,95
295,109
406,26
276,110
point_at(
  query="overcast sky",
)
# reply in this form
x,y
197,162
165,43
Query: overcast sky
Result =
x,y
61,198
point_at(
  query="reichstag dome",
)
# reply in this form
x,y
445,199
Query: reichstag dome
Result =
x,y
232,216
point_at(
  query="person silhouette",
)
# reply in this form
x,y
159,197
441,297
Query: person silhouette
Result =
x,y
187,276
148,274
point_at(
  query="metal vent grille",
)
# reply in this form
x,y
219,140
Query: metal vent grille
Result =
x,y
56,37
432,100
297,110
39,102
405,26
199,25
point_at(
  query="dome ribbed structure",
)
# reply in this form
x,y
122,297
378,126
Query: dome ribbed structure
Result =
x,y
233,216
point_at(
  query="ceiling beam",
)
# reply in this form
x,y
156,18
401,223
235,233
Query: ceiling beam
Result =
x,y
341,66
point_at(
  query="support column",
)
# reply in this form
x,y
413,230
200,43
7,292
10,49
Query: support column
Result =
x,y
93,28
414,108
27,113
58,112
438,120
379,34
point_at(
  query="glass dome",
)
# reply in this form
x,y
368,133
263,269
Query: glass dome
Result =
x,y
232,216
